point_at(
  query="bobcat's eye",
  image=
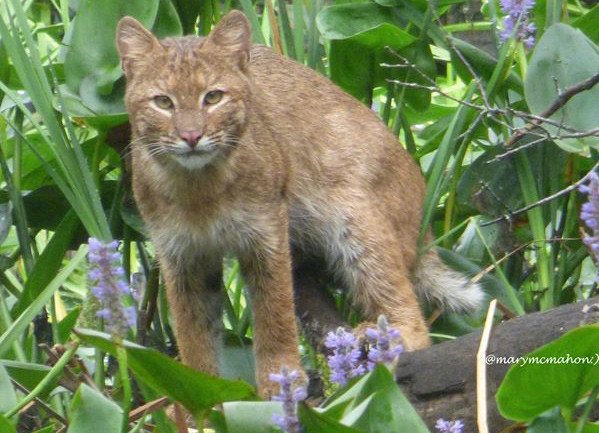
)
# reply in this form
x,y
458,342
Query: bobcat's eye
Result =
x,y
163,102
213,97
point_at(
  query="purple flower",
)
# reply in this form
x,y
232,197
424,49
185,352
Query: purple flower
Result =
x,y
589,213
290,394
344,360
107,285
443,426
383,348
516,23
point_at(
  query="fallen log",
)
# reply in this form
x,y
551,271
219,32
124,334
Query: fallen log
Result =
x,y
441,381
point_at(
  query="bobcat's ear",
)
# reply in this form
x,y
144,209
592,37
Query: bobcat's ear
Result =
x,y
134,43
232,37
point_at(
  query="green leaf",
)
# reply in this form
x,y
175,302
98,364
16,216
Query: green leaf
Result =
x,y
66,325
482,63
25,373
588,24
550,422
316,422
237,362
49,262
188,14
8,397
361,31
167,21
375,404
564,57
24,320
6,426
197,391
91,412
48,429
251,416
92,68
588,427
217,420
557,374
488,184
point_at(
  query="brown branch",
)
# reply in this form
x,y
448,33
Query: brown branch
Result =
x,y
561,100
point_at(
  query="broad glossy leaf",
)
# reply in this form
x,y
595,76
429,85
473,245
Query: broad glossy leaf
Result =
x,y
557,374
8,397
6,426
91,412
375,404
359,33
197,391
489,185
25,373
237,362
188,14
251,416
482,63
66,325
91,68
564,57
550,422
167,21
316,422
107,121
588,24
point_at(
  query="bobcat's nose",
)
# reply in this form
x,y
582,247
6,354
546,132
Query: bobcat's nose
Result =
x,y
191,137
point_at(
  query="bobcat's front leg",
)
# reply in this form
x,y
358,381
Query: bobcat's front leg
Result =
x,y
194,292
267,270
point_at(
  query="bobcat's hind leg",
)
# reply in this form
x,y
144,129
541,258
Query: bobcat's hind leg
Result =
x,y
368,258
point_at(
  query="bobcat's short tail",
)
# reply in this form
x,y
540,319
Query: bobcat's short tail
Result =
x,y
450,289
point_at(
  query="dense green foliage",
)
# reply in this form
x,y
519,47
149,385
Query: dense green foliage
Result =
x,y
475,119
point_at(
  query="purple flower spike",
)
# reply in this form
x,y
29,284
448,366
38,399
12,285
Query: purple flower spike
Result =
x,y
443,426
344,360
589,213
107,285
383,348
290,394
516,22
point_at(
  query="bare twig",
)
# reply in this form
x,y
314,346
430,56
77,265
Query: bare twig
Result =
x,y
561,100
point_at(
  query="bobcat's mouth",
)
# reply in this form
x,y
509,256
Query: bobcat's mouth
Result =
x,y
195,158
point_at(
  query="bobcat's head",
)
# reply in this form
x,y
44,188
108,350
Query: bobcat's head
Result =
x,y
187,97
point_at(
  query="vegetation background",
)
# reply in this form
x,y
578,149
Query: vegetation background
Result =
x,y
489,107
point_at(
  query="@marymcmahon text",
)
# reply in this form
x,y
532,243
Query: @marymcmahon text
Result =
x,y
542,360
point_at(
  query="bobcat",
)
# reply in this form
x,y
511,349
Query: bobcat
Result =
x,y
237,150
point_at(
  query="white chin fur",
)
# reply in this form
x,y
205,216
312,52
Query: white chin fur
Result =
x,y
195,162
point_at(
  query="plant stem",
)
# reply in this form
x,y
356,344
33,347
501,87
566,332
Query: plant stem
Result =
x,y
587,410
121,354
47,380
